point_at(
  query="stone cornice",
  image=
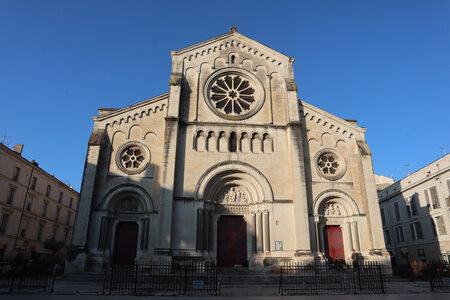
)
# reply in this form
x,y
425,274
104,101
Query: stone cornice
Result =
x,y
132,112
127,109
412,185
233,39
328,120
10,153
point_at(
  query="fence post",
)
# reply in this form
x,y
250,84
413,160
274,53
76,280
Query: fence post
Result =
x,y
381,278
136,268
185,279
280,288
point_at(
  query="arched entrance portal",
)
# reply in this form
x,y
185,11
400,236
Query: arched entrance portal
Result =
x,y
231,241
125,245
233,223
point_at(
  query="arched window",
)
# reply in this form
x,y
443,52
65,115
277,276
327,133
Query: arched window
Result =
x,y
233,59
232,142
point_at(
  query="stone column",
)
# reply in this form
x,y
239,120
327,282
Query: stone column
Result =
x,y
348,235
259,235
199,229
316,229
355,236
205,231
266,232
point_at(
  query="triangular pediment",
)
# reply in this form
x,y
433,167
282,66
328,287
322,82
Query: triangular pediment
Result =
x,y
233,39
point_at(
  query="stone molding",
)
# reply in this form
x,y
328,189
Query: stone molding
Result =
x,y
257,185
337,196
142,194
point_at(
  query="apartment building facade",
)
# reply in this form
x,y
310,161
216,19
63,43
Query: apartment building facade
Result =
x,y
415,213
37,211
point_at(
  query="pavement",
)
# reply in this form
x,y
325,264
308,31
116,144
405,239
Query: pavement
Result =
x,y
90,286
443,296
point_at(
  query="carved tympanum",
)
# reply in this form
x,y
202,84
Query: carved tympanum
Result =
x,y
332,209
232,195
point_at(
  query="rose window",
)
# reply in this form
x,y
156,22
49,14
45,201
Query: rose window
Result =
x,y
232,94
132,157
328,164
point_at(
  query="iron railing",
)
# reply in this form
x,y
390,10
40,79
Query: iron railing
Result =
x,y
169,278
16,276
439,272
321,278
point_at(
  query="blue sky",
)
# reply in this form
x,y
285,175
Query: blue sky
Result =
x,y
384,63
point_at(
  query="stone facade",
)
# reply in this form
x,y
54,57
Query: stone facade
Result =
x,y
229,139
415,214
37,211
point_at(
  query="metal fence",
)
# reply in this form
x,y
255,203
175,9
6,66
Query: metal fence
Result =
x,y
16,276
439,273
150,278
320,278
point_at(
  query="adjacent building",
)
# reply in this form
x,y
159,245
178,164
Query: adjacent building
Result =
x,y
230,167
415,213
37,211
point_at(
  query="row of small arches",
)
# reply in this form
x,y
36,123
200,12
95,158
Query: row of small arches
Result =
x,y
327,124
236,44
136,116
233,142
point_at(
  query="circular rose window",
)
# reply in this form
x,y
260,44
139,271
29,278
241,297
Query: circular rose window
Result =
x,y
234,94
133,157
330,164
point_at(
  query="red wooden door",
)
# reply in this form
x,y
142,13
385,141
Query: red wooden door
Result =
x,y
231,241
334,245
125,245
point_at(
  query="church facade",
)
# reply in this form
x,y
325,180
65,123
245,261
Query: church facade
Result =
x,y
229,167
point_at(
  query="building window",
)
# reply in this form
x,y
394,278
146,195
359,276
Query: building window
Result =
x,y
431,196
387,237
440,225
68,217
397,212
44,209
60,197
383,217
40,229
54,231
66,235
416,231
58,210
399,234
47,192
16,173
23,232
232,142
412,208
70,203
33,184
12,192
4,223
28,207
421,252
433,227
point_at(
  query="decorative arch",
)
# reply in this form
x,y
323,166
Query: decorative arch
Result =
x,y
233,173
337,196
127,191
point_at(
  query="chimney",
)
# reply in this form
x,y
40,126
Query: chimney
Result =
x,y
18,148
